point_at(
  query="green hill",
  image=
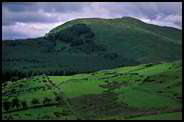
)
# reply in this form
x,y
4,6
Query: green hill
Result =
x,y
91,44
146,91
132,38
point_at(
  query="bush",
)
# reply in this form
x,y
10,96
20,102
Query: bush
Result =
x,y
16,103
57,98
46,101
6,105
35,101
149,65
24,104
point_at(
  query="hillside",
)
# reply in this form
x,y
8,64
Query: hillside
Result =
x,y
146,91
132,38
91,44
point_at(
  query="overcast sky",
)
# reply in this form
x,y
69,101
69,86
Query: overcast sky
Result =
x,y
28,20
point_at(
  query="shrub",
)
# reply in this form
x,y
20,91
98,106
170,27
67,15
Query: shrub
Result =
x,y
24,104
46,101
20,85
6,105
57,98
35,101
149,65
16,103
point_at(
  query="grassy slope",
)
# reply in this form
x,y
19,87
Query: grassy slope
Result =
x,y
144,92
133,38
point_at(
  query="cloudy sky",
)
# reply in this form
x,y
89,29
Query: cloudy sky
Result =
x,y
28,20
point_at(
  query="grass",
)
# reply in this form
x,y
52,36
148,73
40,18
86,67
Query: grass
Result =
x,y
142,99
143,88
73,88
39,113
59,79
163,116
154,69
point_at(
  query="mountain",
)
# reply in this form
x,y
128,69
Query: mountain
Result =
x,y
146,91
91,44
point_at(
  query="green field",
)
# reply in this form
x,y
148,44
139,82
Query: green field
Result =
x,y
163,116
143,92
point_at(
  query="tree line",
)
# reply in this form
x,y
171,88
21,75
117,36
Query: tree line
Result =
x,y
16,104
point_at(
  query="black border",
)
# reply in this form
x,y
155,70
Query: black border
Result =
x,y
89,1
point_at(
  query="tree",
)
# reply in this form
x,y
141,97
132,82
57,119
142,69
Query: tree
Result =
x,y
80,28
35,101
46,101
24,104
15,103
77,42
14,78
111,56
6,105
57,98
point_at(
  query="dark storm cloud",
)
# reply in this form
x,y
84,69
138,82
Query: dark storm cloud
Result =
x,y
18,7
26,17
41,14
46,6
61,7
